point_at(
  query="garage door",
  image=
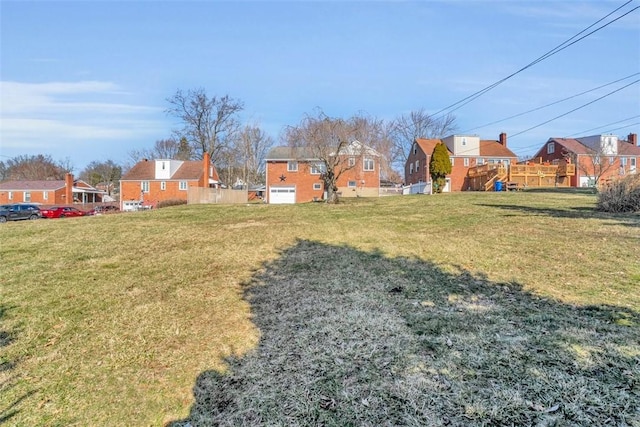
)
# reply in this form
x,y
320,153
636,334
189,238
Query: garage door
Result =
x,y
279,195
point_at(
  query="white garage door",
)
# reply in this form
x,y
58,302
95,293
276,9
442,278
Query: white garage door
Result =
x,y
279,195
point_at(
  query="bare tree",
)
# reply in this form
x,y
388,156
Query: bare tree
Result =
x,y
378,134
36,168
331,143
208,123
595,165
253,144
107,172
418,124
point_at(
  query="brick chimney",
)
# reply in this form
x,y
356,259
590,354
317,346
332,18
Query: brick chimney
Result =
x,y
206,160
68,188
632,139
503,139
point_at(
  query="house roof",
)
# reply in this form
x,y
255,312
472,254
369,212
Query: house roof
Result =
x,y
146,170
21,185
491,148
355,148
25,185
488,148
427,145
290,153
573,145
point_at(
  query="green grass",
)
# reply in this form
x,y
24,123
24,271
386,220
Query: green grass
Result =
x,y
474,308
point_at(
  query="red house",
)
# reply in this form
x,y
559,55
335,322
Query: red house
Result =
x,y
598,158
294,176
54,192
151,181
465,151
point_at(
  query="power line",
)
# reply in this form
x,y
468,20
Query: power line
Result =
x,y
548,105
622,127
575,109
550,53
604,126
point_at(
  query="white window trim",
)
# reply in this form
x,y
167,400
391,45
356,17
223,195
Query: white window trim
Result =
x,y
317,186
183,185
26,196
351,162
410,168
452,160
10,195
292,166
163,185
365,165
551,148
466,161
355,184
315,169
144,186
45,195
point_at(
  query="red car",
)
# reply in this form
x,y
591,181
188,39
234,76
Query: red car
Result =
x,y
62,212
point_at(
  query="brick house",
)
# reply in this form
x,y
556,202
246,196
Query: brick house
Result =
x,y
606,156
151,181
293,175
465,151
54,192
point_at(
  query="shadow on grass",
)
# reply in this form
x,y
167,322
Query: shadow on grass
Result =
x,y
6,366
632,220
563,190
354,338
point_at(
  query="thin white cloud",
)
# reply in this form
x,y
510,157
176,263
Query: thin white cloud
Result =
x,y
57,114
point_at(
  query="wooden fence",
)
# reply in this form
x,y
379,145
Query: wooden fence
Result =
x,y
198,195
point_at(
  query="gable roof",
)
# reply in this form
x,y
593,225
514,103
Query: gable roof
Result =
x,y
573,145
145,170
492,148
427,145
488,148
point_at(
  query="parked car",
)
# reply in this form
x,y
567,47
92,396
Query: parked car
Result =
x,y
62,212
99,210
18,211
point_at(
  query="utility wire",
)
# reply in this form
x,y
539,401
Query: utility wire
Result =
x,y
575,109
604,126
548,105
552,52
622,127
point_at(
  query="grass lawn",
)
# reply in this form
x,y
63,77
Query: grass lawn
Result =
x,y
457,309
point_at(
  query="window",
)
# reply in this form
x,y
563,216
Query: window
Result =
x,y
611,160
292,166
551,148
144,186
351,162
163,185
317,168
368,164
453,161
10,195
623,161
317,186
183,185
45,195
464,141
163,167
417,165
351,184
410,168
415,148
479,161
466,161
27,196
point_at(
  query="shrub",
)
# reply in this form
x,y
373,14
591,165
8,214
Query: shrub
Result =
x,y
171,202
621,196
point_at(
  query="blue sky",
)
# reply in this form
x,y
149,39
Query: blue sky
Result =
x,y
88,80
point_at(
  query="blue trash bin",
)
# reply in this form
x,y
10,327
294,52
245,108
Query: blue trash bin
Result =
x,y
498,186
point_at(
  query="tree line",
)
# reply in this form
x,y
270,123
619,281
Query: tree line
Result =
x,y
211,124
